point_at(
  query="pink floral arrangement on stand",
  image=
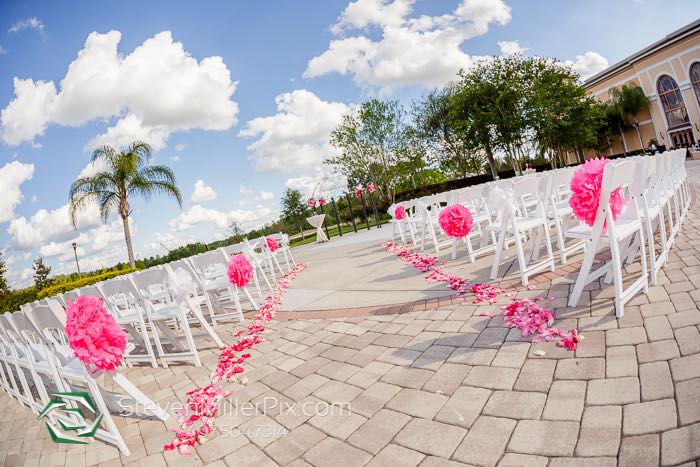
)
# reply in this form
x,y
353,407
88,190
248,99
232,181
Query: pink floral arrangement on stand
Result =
x,y
585,192
311,203
93,334
197,418
271,244
240,271
399,212
358,192
371,188
321,202
456,221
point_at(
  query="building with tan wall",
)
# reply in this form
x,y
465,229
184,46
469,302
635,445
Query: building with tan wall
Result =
x,y
669,73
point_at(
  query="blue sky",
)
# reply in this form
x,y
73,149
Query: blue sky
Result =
x,y
238,97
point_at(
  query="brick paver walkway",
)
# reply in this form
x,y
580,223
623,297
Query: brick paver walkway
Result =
x,y
441,387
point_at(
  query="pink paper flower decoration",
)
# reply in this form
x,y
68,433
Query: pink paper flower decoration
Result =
x,y
358,192
585,188
322,201
240,272
311,203
456,221
271,244
94,336
399,212
371,188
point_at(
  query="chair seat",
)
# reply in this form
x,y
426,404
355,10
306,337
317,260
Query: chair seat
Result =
x,y
523,223
624,228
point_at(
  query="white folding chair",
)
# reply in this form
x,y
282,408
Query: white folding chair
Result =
x,y
20,366
161,310
528,218
557,194
122,301
472,199
211,268
71,375
616,234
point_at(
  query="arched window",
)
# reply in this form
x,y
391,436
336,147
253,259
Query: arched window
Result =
x,y
672,101
695,79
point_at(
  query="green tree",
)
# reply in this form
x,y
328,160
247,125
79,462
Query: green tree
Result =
x,y
4,288
371,142
628,101
444,134
294,210
562,116
128,174
41,274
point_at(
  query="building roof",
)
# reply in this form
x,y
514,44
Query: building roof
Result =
x,y
669,39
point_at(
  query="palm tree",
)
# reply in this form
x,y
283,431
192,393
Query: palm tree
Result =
x,y
628,102
128,173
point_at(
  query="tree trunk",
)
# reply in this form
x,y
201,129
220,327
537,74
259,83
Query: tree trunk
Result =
x,y
624,141
639,135
301,231
492,163
607,137
127,237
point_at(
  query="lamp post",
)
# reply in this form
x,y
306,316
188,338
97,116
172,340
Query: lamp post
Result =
x,y
75,251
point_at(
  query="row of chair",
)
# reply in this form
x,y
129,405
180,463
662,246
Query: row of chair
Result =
x,y
528,209
154,307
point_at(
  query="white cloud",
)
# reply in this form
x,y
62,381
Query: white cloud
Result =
x,y
174,158
196,215
202,193
47,226
93,168
180,147
511,48
305,184
245,191
423,50
296,137
588,64
29,23
3,50
155,90
12,175
266,195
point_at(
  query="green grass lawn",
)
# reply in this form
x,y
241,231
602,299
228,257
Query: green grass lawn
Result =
x,y
333,232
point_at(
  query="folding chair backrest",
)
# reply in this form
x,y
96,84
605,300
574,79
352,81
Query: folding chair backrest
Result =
x,y
209,259
49,325
231,250
145,279
90,291
120,295
70,296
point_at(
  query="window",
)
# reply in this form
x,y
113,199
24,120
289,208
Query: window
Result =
x,y
695,79
672,101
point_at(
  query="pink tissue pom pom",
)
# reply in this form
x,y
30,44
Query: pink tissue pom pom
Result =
x,y
271,244
399,212
240,272
93,334
456,221
586,186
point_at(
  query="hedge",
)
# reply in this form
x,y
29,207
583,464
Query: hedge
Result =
x,y
78,283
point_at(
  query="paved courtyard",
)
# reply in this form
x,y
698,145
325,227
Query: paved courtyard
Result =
x,y
433,383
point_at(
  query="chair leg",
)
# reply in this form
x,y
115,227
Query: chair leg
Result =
x,y
582,276
497,254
